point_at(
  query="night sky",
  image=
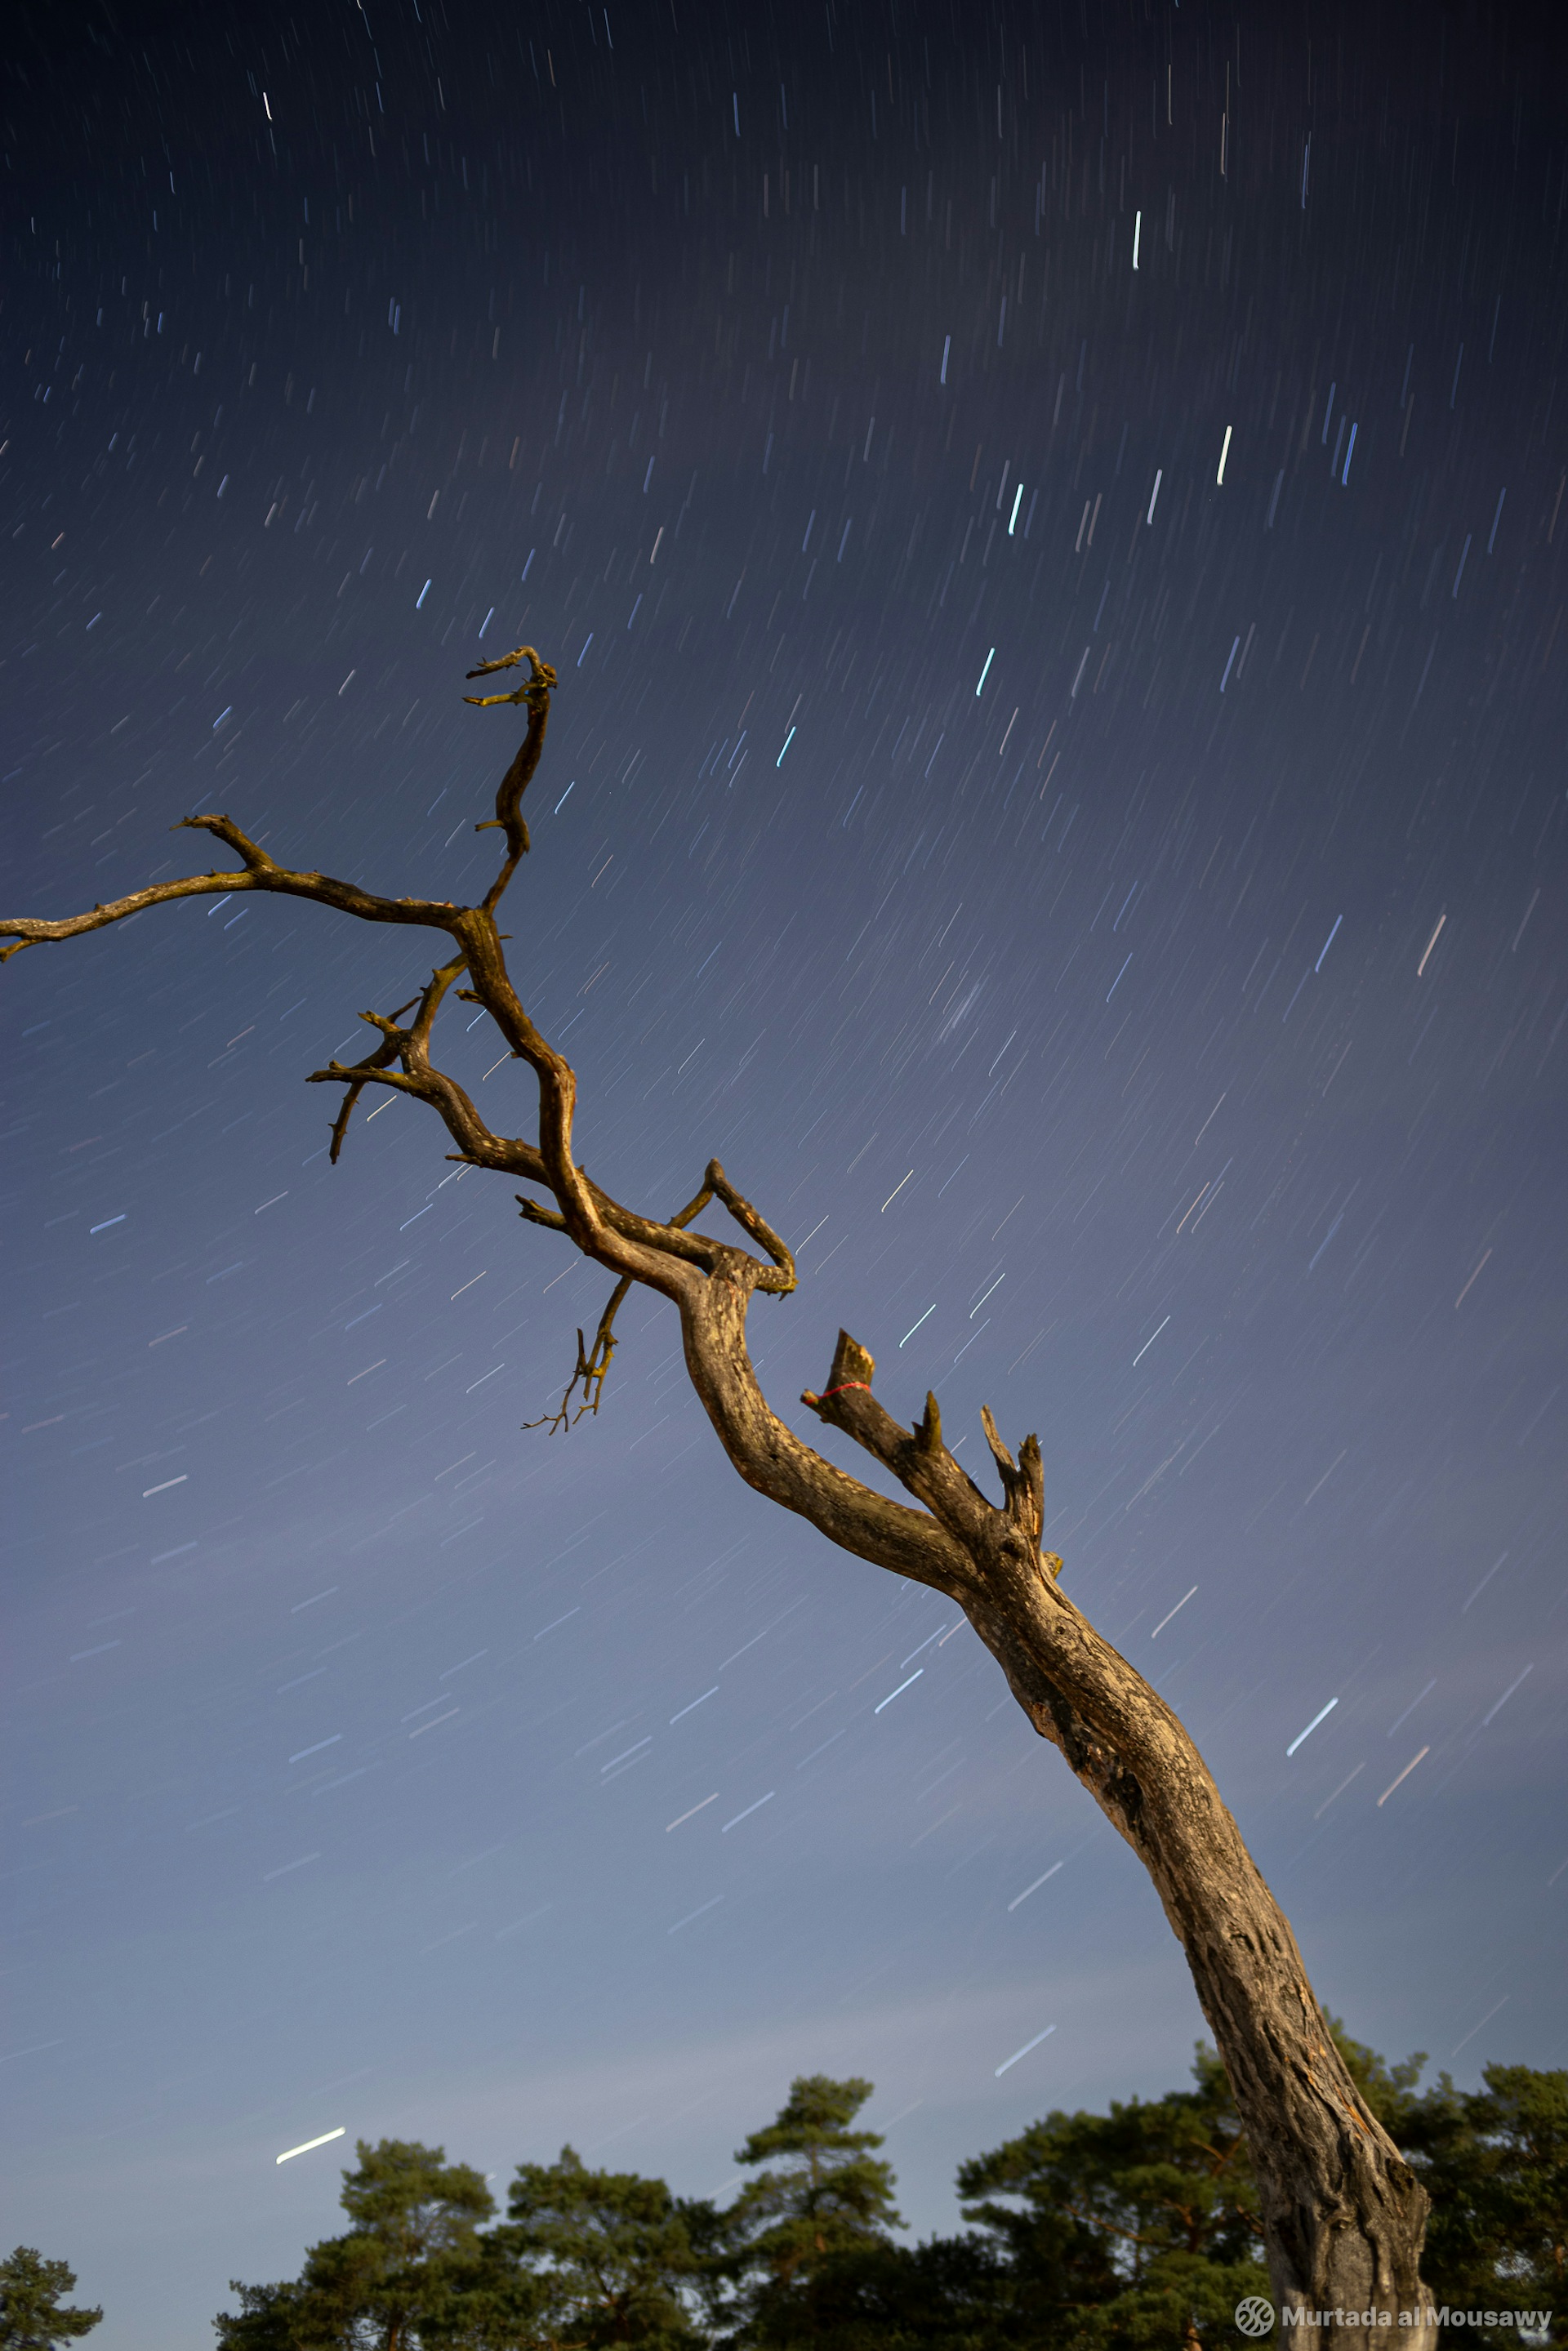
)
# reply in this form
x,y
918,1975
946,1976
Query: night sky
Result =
x,y
1053,530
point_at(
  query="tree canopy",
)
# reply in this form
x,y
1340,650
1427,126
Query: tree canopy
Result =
x,y
409,2269
1146,2218
823,2200
33,2316
1138,2230
1495,2164
614,2258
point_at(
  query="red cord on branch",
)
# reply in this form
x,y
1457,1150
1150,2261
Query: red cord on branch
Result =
x,y
842,1386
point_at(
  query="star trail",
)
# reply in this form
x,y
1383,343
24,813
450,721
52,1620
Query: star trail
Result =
x,y
1051,527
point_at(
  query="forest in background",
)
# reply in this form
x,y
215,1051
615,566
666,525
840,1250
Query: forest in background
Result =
x,y
1133,2231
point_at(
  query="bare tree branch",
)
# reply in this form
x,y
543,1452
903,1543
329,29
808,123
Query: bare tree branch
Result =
x,y
534,695
590,1369
257,872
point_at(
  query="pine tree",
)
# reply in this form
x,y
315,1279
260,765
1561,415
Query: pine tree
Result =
x,y
825,2197
1133,2230
613,2255
32,2315
396,2277
1127,2229
1495,2162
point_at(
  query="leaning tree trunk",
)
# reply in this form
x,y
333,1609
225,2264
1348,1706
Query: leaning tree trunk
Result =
x,y
1342,2212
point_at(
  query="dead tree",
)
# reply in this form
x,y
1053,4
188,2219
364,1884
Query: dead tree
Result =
x,y
1343,2213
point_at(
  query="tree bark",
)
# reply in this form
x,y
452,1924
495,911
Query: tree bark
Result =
x,y
1343,2214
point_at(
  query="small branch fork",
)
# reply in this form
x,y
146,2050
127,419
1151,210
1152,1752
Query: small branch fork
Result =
x,y
593,1363
1319,2153
591,1368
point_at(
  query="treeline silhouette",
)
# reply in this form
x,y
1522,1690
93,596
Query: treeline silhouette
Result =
x,y
1135,2230
1123,2231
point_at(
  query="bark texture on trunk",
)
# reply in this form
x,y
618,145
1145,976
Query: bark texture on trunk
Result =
x,y
1343,2213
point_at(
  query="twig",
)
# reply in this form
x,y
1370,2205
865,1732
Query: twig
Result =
x,y
591,1368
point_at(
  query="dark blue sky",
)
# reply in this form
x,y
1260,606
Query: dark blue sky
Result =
x,y
1052,534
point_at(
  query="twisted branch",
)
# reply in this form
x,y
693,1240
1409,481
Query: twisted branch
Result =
x,y
534,695
258,872
592,1365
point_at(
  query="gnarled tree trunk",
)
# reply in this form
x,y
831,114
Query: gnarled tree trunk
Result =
x,y
1343,2213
